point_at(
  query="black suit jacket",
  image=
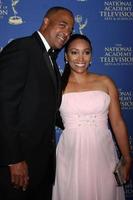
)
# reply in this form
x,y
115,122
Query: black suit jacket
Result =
x,y
30,95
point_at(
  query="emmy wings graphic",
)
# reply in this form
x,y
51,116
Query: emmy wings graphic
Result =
x,y
15,19
82,25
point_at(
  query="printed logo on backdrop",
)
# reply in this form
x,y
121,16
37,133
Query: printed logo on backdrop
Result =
x,y
3,10
117,10
81,22
117,55
126,99
15,19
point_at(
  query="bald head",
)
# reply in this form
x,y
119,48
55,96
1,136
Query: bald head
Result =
x,y
54,10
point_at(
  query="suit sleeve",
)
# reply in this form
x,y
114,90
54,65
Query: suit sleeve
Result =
x,y
13,74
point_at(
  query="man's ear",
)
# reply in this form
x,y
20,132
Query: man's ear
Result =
x,y
45,22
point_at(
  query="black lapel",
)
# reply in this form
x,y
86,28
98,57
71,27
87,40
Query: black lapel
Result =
x,y
50,68
47,62
58,76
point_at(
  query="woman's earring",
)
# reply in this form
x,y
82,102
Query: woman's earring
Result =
x,y
66,62
90,63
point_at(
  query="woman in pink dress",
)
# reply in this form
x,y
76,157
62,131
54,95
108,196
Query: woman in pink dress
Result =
x,y
86,153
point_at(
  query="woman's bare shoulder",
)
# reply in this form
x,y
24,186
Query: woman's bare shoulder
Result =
x,y
101,77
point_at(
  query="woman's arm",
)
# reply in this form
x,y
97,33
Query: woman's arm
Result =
x,y
118,126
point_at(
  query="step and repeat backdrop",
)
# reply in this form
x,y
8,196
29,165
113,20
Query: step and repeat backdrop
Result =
x,y
108,24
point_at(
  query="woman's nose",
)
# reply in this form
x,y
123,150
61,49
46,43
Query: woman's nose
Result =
x,y
81,57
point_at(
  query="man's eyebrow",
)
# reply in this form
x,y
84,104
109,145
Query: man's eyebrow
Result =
x,y
64,22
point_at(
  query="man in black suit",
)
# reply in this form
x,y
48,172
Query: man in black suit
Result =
x,y
30,95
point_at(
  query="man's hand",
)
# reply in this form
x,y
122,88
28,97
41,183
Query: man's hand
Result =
x,y
19,175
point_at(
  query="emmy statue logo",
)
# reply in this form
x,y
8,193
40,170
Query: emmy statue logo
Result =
x,y
80,22
15,19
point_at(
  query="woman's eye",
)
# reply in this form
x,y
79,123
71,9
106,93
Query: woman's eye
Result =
x,y
74,52
87,52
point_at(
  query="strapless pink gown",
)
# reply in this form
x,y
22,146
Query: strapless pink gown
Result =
x,y
86,154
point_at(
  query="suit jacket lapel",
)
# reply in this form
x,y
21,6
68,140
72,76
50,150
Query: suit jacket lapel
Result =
x,y
58,76
47,62
50,68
